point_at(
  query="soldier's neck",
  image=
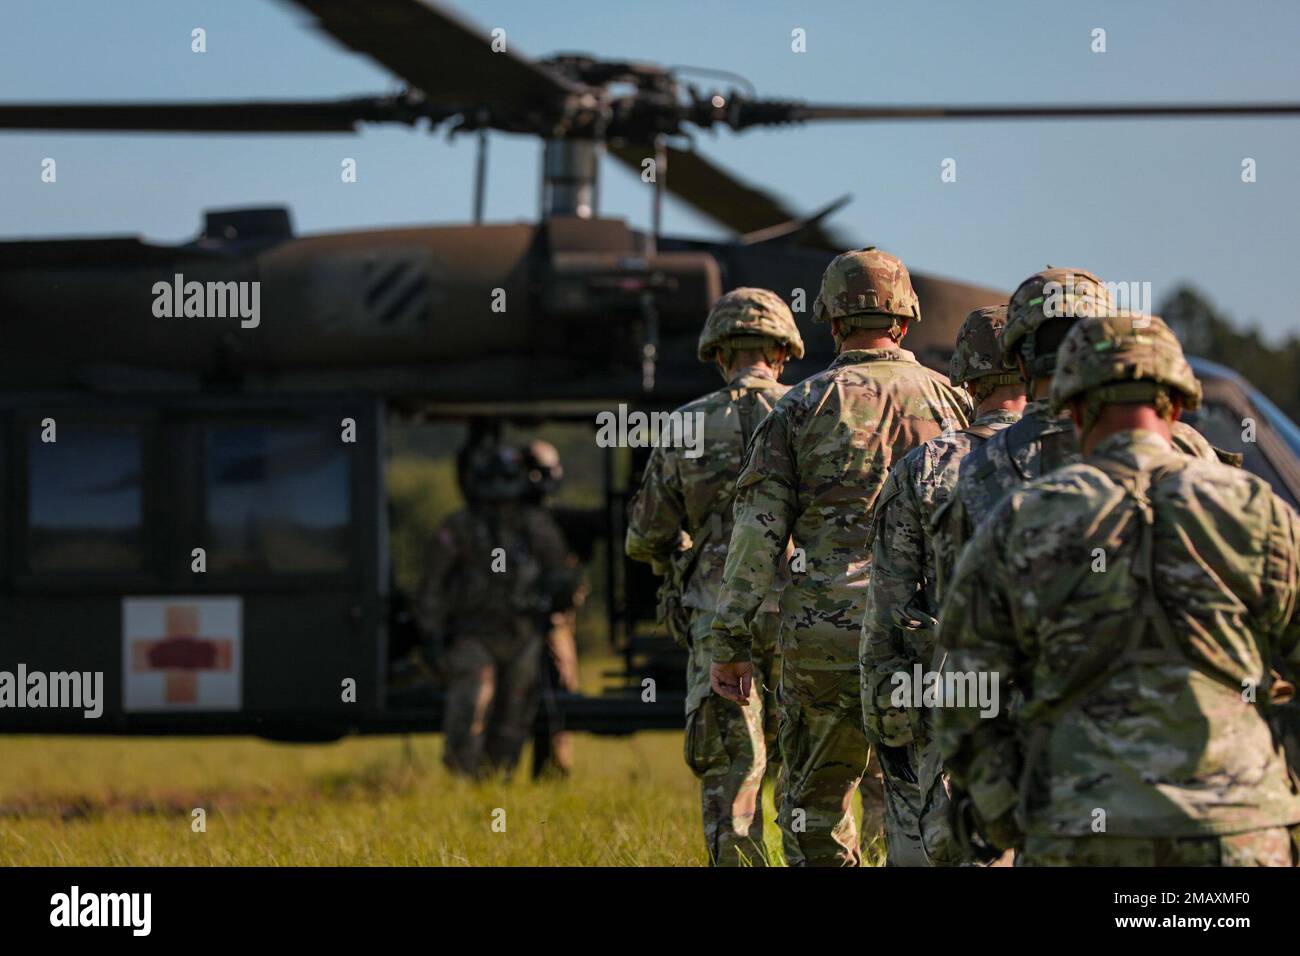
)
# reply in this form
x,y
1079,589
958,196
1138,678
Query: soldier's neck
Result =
x,y
863,339
992,404
1004,398
1126,418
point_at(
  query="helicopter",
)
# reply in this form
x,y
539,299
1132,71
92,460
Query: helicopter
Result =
x,y
194,437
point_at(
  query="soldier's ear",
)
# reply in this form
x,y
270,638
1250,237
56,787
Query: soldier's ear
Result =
x,y
1176,401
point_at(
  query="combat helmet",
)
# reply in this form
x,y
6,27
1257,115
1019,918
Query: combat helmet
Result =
x,y
867,289
977,357
1068,294
749,318
1122,358
496,474
544,470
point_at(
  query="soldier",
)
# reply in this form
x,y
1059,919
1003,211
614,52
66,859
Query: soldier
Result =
x,y
1138,601
1040,313
494,572
680,522
903,599
813,472
553,746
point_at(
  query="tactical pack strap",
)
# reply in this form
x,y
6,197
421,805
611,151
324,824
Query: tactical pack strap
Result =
x,y
1151,619
744,414
725,496
985,431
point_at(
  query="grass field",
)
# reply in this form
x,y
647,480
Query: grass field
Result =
x,y
370,801
106,801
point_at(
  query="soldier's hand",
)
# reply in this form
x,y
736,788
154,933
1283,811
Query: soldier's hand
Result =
x,y
732,681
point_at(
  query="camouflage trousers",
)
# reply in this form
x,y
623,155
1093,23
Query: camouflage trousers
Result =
x,y
491,702
1276,846
826,757
918,826
726,748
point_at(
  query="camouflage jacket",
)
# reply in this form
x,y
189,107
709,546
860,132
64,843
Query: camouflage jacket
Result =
x,y
903,599
1132,670
680,494
1037,444
814,471
469,588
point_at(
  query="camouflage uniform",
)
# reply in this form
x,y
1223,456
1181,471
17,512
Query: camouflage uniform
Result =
x,y
813,473
492,623
725,743
903,603
552,745
1041,441
1142,734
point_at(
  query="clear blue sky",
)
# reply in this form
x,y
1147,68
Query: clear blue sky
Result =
x,y
1160,201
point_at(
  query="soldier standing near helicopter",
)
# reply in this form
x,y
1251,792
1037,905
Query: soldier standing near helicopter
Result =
x,y
680,523
494,571
552,745
898,631
1143,603
813,473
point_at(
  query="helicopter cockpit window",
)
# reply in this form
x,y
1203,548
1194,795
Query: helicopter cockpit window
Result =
x,y
1222,427
84,500
278,499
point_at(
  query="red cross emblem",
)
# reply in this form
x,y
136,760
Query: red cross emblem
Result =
x,y
181,654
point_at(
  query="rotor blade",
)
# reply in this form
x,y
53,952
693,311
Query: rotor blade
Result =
x,y
773,112
431,48
259,116
722,197
804,225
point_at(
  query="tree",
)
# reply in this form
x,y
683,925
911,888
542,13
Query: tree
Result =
x,y
1209,333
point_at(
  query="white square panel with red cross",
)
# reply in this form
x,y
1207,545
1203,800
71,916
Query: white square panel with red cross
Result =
x,y
181,653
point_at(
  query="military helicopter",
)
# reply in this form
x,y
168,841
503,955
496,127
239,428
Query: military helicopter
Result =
x,y
231,395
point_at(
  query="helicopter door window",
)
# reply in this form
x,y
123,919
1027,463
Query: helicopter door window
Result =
x,y
278,499
1222,426
84,502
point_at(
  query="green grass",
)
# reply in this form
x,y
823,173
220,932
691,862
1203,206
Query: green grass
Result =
x,y
371,801
104,801
112,801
